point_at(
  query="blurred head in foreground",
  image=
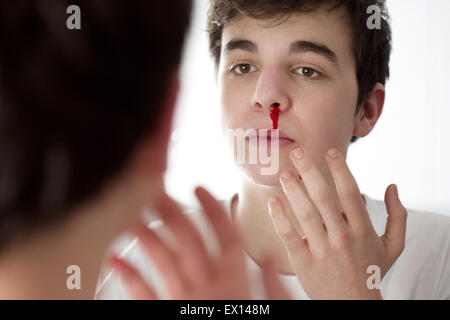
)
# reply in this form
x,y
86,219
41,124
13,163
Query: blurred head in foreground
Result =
x,y
85,114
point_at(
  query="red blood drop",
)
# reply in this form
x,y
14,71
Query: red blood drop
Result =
x,y
274,115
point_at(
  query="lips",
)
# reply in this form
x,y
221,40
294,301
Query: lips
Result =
x,y
255,136
255,133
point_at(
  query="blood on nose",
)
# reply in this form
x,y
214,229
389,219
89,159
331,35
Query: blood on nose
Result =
x,y
275,114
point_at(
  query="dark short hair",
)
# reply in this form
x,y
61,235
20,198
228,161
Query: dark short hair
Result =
x,y
74,104
372,48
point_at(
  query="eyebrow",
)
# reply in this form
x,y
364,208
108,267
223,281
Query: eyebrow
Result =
x,y
308,46
241,44
299,46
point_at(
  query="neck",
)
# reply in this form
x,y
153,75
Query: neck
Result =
x,y
251,215
36,267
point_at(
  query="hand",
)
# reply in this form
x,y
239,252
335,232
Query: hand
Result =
x,y
331,261
188,269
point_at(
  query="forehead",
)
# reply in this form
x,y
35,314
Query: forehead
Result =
x,y
328,27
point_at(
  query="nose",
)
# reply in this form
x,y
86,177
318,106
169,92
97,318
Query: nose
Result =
x,y
271,92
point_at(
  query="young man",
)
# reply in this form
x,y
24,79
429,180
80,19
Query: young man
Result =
x,y
83,112
320,65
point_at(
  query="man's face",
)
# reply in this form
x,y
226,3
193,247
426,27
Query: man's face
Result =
x,y
305,64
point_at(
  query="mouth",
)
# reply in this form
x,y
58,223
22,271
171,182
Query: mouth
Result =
x,y
258,134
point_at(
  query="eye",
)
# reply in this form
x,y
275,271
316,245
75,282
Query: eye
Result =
x,y
242,68
308,72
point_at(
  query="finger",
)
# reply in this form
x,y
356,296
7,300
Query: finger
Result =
x,y
321,193
226,233
395,231
348,191
164,258
274,288
190,246
297,250
304,210
132,279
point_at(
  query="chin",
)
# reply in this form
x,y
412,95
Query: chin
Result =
x,y
253,172
264,174
266,181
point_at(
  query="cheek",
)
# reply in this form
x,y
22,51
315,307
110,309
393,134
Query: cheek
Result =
x,y
329,120
227,103
333,108
235,103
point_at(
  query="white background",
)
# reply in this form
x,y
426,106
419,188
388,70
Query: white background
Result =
x,y
409,146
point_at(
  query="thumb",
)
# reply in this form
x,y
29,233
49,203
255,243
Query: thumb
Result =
x,y
273,286
395,232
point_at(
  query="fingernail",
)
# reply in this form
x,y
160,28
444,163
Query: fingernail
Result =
x,y
273,201
286,175
396,191
298,153
333,153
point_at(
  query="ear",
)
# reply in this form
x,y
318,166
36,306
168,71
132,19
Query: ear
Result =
x,y
370,112
151,156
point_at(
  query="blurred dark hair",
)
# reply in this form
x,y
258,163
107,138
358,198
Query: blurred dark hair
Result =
x,y
372,48
74,104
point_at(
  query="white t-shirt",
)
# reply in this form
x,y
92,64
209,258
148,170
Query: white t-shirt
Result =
x,y
421,272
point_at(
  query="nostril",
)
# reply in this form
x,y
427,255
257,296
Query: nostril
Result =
x,y
276,105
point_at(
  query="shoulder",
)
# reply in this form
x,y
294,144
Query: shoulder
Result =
x,y
421,225
423,269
